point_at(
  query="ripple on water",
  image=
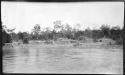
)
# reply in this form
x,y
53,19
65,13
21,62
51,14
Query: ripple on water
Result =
x,y
59,59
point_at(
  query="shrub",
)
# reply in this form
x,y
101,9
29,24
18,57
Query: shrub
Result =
x,y
119,41
25,40
6,38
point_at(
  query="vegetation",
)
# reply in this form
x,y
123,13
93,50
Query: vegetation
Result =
x,y
6,38
64,31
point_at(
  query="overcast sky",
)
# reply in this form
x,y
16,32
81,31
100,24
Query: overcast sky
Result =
x,y
23,15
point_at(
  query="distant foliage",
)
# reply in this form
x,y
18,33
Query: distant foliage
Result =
x,y
25,40
64,30
36,31
106,30
24,36
117,34
6,38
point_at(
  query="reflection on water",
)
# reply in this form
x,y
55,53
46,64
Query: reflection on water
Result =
x,y
55,59
8,60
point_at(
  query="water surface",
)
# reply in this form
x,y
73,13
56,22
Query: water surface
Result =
x,y
36,58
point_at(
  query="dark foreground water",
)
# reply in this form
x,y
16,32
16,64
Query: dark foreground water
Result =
x,y
37,58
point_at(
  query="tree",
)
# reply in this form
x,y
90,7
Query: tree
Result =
x,y
67,31
24,36
88,32
8,31
57,29
11,31
105,29
20,35
6,38
4,28
14,36
36,30
47,33
96,34
57,25
116,34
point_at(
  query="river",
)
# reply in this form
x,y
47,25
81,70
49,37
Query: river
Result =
x,y
37,58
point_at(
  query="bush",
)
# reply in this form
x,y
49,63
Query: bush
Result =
x,y
119,41
25,40
6,38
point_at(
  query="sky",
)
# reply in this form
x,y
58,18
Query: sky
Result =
x,y
24,15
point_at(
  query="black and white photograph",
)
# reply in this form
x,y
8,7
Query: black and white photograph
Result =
x,y
62,37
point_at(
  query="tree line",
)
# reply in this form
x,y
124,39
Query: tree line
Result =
x,y
63,31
